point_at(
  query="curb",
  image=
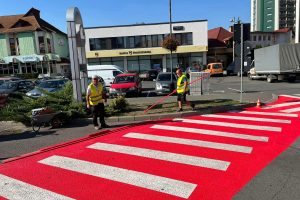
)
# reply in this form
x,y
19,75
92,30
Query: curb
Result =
x,y
201,111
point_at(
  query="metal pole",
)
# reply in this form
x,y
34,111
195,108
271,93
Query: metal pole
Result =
x,y
171,56
242,61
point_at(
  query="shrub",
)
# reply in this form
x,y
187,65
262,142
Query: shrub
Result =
x,y
19,106
118,105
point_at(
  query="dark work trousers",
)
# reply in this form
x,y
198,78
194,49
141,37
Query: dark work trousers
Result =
x,y
98,111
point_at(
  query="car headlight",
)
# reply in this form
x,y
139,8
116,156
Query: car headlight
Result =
x,y
132,88
158,86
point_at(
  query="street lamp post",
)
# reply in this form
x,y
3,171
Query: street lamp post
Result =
x,y
171,54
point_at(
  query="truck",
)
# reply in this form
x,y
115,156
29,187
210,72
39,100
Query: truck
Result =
x,y
107,72
276,63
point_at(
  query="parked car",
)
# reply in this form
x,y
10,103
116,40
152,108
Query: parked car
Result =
x,y
51,85
149,75
16,86
164,85
8,78
107,72
126,84
215,69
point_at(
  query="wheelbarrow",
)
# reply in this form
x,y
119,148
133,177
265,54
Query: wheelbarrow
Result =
x,y
43,116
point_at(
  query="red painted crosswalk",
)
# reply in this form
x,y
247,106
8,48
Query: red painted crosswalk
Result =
x,y
199,157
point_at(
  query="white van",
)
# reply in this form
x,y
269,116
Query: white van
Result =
x,y
107,72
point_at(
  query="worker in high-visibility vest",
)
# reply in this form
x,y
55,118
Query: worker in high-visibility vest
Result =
x,y
182,89
95,97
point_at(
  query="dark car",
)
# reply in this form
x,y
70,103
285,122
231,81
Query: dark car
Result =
x,y
51,85
164,85
8,78
149,75
126,84
16,86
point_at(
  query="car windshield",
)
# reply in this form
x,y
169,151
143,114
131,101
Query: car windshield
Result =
x,y
8,85
165,77
51,84
124,79
217,66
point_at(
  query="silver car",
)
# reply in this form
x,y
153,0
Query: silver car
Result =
x,y
163,83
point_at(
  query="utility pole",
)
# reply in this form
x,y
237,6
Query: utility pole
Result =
x,y
171,55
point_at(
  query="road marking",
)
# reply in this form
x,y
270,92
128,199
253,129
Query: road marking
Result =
x,y
198,143
248,118
226,124
162,155
282,105
297,96
210,132
270,114
291,110
14,189
139,179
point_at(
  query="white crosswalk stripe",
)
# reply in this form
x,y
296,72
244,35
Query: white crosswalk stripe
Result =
x,y
157,183
248,118
210,132
198,143
280,105
226,124
14,189
291,110
162,155
270,114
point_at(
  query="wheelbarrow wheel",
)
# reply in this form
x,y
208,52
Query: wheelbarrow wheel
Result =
x,y
36,126
56,122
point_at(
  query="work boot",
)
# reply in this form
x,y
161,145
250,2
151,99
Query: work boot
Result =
x,y
193,106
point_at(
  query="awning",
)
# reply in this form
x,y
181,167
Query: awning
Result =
x,y
31,58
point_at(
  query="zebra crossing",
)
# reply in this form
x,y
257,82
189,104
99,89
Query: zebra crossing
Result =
x,y
200,157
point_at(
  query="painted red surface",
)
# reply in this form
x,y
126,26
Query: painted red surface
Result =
x,y
212,184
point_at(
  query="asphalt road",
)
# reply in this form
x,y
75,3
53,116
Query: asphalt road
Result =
x,y
280,180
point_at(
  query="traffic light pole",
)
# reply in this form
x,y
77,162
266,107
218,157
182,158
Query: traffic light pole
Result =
x,y
242,62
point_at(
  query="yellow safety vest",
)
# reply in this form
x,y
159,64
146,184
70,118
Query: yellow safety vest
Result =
x,y
180,84
96,94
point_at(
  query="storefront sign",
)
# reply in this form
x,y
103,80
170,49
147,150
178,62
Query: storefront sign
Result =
x,y
143,51
133,52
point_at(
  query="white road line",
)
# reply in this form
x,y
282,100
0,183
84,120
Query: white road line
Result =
x,y
14,189
162,155
291,110
198,143
270,114
282,105
210,132
226,124
248,118
297,96
139,179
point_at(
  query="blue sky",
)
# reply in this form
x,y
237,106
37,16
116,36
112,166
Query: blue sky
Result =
x,y
120,12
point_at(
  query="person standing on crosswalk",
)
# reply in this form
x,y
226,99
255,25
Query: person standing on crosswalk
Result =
x,y
95,97
182,89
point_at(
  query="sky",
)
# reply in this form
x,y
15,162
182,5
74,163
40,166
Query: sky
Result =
x,y
123,12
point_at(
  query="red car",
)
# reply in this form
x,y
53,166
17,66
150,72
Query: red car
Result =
x,y
125,85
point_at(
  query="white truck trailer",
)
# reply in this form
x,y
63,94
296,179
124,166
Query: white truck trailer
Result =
x,y
277,62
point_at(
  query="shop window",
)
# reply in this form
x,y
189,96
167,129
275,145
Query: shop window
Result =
x,y
42,45
92,44
130,42
118,43
160,40
137,42
149,42
154,41
179,38
93,61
